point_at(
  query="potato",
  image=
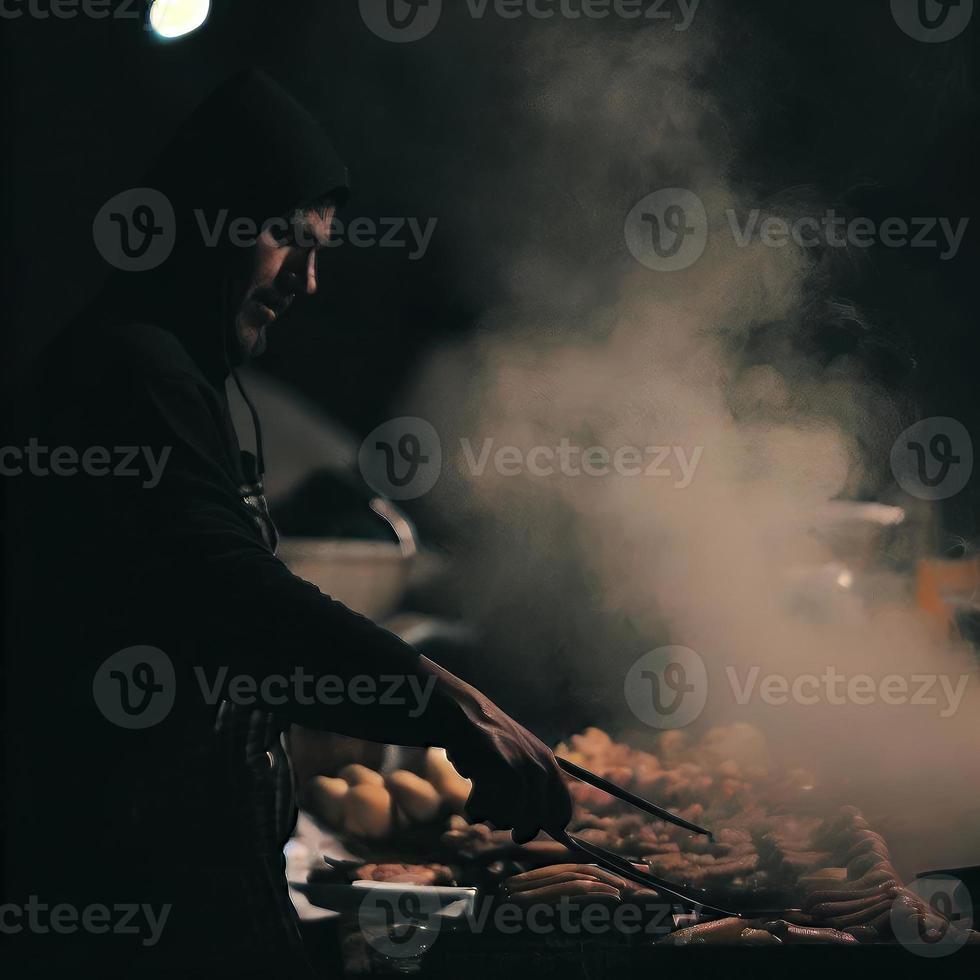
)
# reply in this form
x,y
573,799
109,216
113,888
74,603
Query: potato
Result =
x,y
358,775
452,787
368,811
325,799
417,797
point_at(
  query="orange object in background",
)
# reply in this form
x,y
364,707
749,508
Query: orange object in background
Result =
x,y
942,585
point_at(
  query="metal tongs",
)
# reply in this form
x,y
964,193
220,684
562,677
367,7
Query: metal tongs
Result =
x,y
689,897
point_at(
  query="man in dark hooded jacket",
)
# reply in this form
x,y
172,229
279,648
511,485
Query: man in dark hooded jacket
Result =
x,y
133,592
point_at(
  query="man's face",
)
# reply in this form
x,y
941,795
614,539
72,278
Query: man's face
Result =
x,y
283,265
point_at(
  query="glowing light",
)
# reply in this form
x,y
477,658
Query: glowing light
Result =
x,y
845,580
175,18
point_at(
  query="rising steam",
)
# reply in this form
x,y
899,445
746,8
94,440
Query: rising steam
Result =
x,y
573,578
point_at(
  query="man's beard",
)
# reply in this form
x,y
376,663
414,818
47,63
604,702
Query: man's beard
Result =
x,y
258,348
249,341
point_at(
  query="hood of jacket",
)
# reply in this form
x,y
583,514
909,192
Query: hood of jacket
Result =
x,y
249,151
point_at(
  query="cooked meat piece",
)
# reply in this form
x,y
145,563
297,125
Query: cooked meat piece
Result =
x,y
834,910
867,914
861,865
806,935
827,896
864,847
705,933
561,874
729,868
758,937
415,874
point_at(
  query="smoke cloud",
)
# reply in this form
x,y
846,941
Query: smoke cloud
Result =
x,y
729,550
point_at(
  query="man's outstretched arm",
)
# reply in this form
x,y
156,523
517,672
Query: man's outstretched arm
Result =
x,y
272,624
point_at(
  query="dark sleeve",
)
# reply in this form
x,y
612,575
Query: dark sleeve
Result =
x,y
265,622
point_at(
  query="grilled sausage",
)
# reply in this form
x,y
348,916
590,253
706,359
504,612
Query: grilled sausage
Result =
x,y
843,895
834,910
865,915
860,866
758,937
557,873
582,890
705,933
807,935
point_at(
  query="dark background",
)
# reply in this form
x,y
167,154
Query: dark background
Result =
x,y
830,97
828,100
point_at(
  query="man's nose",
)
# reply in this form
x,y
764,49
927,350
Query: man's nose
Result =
x,y
311,273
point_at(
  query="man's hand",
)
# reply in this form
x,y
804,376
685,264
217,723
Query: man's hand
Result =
x,y
517,784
